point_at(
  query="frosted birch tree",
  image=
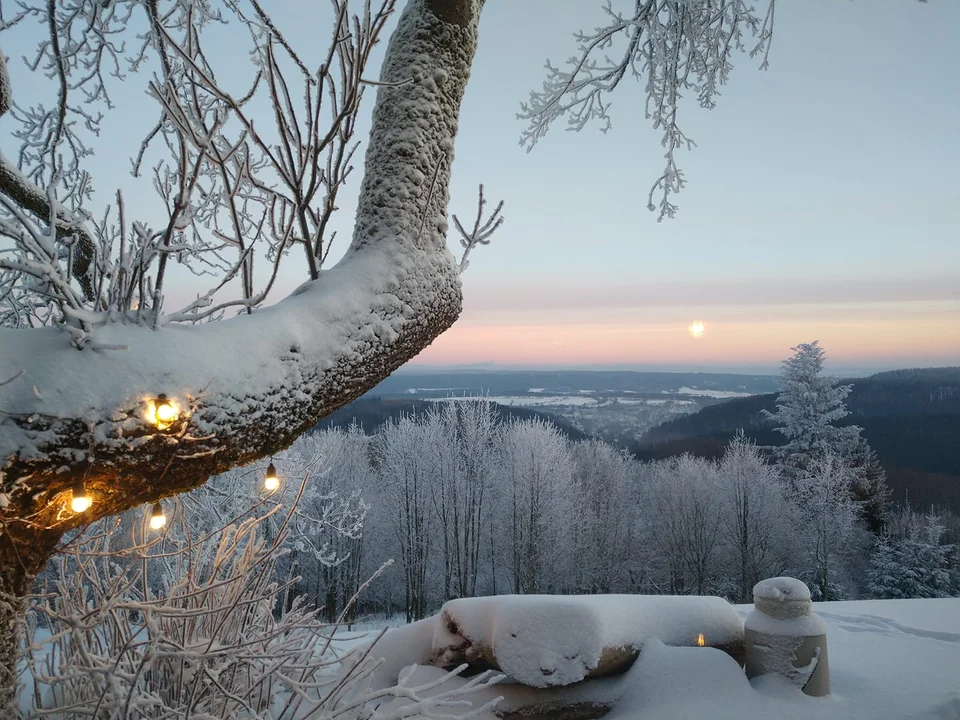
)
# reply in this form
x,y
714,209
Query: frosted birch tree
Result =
x,y
331,562
828,527
604,518
403,471
537,477
463,444
682,518
757,526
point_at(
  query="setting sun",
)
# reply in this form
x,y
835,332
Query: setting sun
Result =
x,y
696,329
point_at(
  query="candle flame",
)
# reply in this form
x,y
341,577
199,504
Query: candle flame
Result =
x,y
700,639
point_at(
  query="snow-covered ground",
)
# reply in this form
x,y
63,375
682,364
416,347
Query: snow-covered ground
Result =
x,y
889,660
525,401
718,394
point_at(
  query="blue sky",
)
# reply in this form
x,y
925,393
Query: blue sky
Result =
x,y
822,199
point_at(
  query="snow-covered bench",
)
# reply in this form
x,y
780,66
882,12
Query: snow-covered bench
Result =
x,y
547,644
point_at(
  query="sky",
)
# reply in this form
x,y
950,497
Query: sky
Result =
x,y
823,200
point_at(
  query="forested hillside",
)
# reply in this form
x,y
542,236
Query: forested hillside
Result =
x,y
910,417
372,412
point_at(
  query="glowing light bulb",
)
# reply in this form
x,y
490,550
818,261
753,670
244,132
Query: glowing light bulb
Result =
x,y
271,480
157,518
166,412
80,502
162,412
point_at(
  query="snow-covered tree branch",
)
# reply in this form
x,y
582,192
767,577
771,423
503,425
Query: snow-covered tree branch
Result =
x,y
114,400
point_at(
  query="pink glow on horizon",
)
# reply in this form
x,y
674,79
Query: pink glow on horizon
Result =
x,y
895,340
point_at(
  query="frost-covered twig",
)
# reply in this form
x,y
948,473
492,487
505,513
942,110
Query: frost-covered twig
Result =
x,y
482,229
675,47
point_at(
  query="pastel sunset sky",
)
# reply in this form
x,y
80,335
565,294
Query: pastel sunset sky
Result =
x,y
823,198
823,203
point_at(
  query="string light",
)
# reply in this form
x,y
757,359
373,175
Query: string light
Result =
x,y
157,518
271,481
162,412
80,502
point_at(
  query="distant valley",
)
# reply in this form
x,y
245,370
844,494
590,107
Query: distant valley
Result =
x,y
617,406
910,417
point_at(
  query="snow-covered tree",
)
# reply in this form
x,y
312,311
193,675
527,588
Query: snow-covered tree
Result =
x,y
828,529
912,561
462,445
757,517
682,517
537,477
331,563
868,486
809,405
604,520
404,472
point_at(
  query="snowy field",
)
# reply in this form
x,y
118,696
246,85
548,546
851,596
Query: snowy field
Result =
x,y
525,401
580,400
718,394
889,660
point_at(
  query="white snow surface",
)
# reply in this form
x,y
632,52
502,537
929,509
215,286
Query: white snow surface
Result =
x,y
781,588
523,401
718,394
889,660
550,640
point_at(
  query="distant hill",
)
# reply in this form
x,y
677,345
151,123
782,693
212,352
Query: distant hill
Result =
x,y
372,412
911,418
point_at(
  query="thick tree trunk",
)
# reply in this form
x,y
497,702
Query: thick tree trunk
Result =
x,y
249,386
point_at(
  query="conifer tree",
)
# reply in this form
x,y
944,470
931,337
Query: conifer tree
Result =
x,y
809,407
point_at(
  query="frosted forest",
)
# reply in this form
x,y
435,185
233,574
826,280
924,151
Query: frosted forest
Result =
x,y
179,540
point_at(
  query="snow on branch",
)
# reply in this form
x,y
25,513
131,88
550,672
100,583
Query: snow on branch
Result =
x,y
674,47
246,386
